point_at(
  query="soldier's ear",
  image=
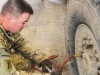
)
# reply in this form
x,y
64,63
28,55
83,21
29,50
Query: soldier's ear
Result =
x,y
8,17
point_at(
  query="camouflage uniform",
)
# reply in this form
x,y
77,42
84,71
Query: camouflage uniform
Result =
x,y
25,52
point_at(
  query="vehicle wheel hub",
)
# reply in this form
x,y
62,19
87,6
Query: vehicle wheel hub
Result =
x,y
86,45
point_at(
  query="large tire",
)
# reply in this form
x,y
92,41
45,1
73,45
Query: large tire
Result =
x,y
81,12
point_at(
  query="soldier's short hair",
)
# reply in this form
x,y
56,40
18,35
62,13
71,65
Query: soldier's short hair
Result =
x,y
16,7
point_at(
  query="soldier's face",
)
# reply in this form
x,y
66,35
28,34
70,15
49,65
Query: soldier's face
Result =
x,y
17,24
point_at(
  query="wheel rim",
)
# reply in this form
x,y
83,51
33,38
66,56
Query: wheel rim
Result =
x,y
86,45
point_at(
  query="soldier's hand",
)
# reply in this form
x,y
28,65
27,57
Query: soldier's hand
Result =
x,y
45,63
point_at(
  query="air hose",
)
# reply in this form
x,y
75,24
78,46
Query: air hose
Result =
x,y
55,65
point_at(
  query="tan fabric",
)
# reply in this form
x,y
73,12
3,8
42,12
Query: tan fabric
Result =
x,y
9,41
26,73
21,62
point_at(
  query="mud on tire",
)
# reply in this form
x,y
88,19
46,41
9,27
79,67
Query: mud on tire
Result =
x,y
81,12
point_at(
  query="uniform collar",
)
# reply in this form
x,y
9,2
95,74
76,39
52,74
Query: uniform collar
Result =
x,y
8,37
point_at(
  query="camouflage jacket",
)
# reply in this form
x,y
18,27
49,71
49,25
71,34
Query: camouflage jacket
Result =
x,y
9,41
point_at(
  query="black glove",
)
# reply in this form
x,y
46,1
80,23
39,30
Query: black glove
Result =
x,y
56,73
45,63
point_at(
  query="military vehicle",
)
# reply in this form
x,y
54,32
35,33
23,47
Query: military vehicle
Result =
x,y
82,31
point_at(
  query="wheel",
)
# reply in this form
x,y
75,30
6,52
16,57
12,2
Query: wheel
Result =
x,y
82,32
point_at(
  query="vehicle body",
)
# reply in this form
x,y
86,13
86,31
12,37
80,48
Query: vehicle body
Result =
x,y
82,30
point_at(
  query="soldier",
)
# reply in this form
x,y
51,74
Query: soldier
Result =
x,y
13,18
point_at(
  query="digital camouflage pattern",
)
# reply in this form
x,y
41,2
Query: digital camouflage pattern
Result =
x,y
26,73
9,41
21,62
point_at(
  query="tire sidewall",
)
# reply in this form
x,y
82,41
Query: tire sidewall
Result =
x,y
79,12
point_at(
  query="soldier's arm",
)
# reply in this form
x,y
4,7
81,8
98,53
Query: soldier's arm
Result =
x,y
2,41
27,49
